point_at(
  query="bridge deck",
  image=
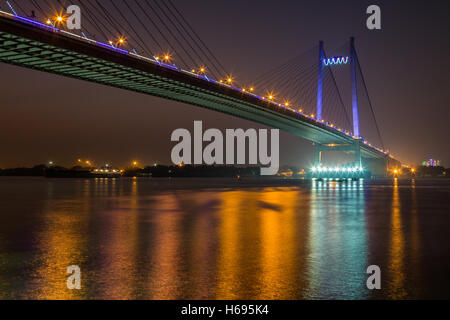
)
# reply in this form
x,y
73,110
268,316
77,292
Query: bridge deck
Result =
x,y
50,50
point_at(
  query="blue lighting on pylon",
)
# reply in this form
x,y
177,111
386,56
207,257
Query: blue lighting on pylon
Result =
x,y
335,61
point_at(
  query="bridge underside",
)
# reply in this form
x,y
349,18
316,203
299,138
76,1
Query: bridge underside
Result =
x,y
30,47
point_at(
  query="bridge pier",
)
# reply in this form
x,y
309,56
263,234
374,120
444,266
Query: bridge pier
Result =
x,y
353,170
353,148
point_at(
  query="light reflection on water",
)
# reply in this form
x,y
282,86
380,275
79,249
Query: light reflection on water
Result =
x,y
337,241
163,239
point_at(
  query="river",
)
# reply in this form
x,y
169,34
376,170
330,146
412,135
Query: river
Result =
x,y
223,238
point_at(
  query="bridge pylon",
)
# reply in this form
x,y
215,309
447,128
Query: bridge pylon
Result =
x,y
351,170
320,82
355,110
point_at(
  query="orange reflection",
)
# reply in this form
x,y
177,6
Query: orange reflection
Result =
x,y
415,239
261,235
61,245
228,277
397,248
278,242
119,245
165,279
199,209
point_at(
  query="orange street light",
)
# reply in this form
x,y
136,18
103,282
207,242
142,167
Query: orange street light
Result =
x,y
167,57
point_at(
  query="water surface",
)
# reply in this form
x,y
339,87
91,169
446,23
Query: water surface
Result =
x,y
223,239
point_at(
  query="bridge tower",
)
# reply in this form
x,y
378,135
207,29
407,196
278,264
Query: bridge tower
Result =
x,y
356,146
320,81
355,110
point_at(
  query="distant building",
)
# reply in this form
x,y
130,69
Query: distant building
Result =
x,y
431,163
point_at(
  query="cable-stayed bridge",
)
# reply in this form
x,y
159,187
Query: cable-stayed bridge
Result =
x,y
317,111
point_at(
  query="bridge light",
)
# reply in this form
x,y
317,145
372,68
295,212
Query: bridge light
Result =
x,y
286,103
49,21
252,89
230,79
202,69
121,40
270,95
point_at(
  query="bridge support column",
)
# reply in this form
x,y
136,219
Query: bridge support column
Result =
x,y
358,160
355,148
317,154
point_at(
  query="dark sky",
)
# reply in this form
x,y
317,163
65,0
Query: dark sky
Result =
x,y
406,65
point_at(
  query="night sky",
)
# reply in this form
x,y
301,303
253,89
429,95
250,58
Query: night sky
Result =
x,y
46,117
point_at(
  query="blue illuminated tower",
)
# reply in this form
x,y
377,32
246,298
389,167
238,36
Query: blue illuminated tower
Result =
x,y
353,62
320,81
333,61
